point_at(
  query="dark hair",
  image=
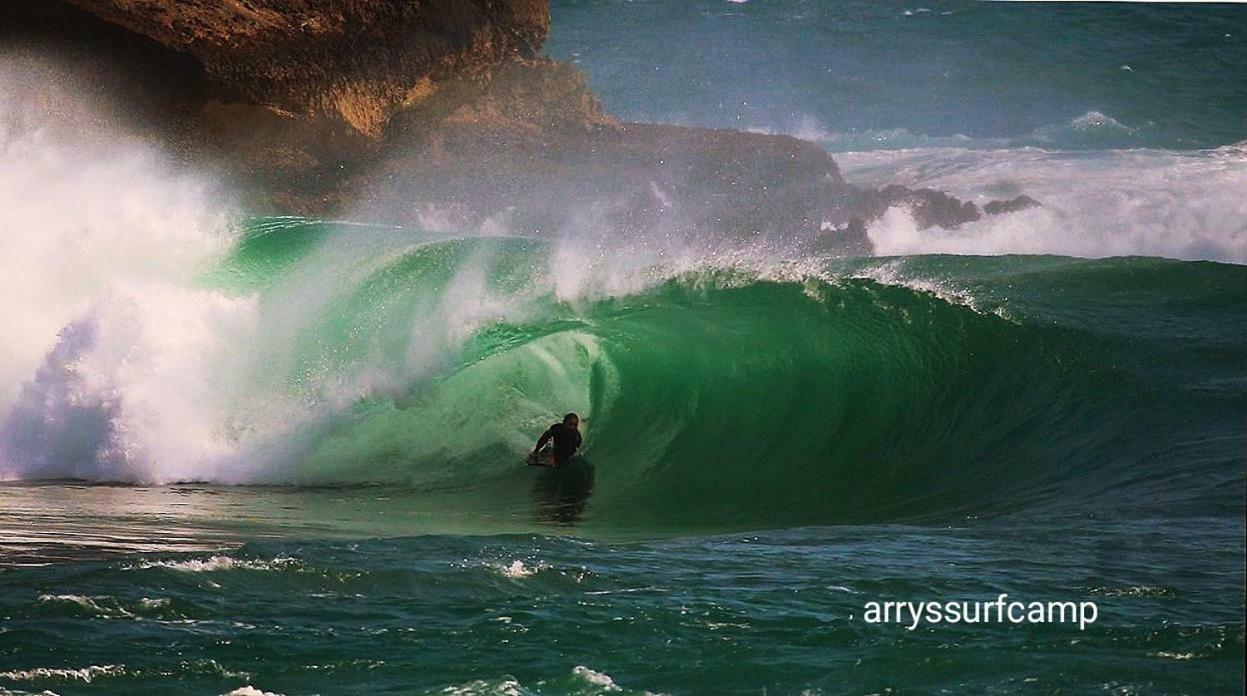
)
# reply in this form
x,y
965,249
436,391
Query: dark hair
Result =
x,y
570,416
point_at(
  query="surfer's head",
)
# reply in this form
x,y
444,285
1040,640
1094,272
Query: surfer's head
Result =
x,y
571,420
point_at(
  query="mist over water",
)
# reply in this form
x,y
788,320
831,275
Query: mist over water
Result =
x,y
111,347
1173,204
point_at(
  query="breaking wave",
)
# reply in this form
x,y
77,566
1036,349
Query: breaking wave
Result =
x,y
712,389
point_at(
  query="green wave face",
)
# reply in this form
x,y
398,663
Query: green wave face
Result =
x,y
730,395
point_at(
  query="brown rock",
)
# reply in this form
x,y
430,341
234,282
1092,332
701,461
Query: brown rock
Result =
x,y
389,110
357,60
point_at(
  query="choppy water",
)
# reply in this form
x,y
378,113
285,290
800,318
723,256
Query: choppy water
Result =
x,y
739,613
286,454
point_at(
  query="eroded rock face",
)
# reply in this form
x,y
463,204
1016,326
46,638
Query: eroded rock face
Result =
x,y
358,60
408,111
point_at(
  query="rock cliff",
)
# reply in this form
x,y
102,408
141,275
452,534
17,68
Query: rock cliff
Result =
x,y
409,110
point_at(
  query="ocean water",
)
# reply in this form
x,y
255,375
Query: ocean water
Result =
x,y
861,75
282,455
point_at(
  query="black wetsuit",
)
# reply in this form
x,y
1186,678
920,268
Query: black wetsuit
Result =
x,y
566,442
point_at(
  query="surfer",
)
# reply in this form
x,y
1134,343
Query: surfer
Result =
x,y
566,436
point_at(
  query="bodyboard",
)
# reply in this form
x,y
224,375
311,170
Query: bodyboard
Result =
x,y
543,458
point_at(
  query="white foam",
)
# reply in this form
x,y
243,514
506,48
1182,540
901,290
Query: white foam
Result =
x,y
106,606
249,690
1180,656
1184,205
517,569
220,563
101,241
503,687
100,605
583,680
82,674
598,679
1093,129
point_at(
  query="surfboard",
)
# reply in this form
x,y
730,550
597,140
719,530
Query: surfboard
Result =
x,y
543,458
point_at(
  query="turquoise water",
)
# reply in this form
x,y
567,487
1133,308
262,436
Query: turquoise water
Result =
x,y
284,455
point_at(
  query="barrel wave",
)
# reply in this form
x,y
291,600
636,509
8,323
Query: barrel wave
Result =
x,y
717,390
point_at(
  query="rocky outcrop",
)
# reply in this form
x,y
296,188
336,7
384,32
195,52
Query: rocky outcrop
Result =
x,y
932,208
1010,206
438,110
357,60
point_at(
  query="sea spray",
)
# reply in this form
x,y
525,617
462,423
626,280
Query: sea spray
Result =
x,y
1182,205
103,238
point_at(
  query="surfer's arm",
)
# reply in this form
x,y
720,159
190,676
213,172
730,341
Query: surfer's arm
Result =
x,y
545,437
